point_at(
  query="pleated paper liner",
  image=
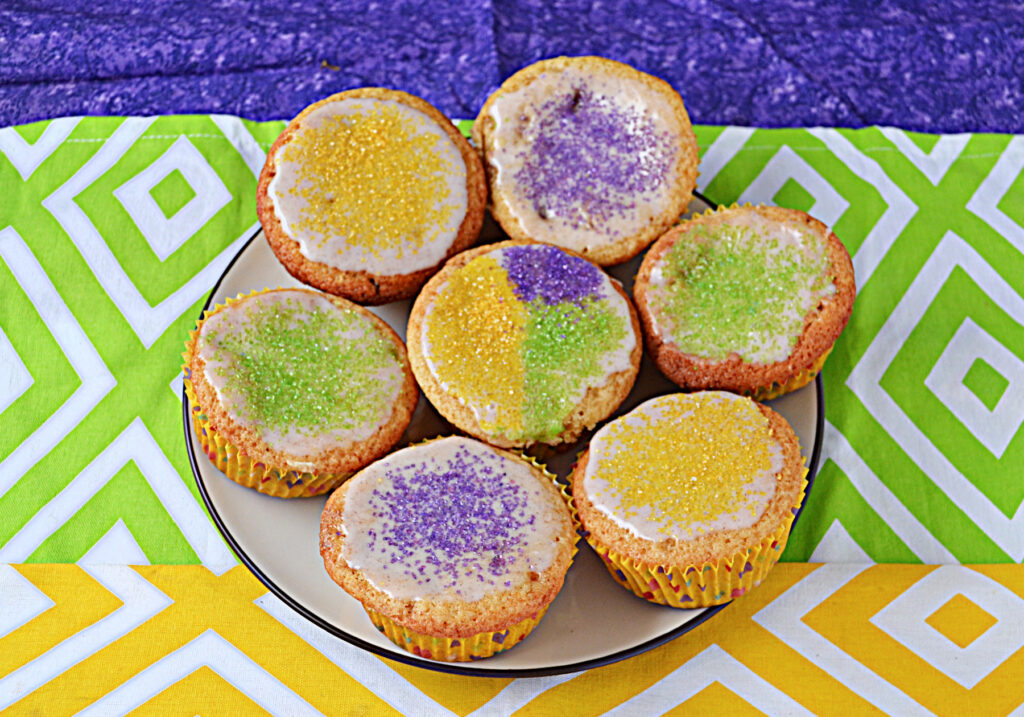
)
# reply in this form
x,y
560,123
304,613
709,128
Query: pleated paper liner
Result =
x,y
482,644
455,649
767,393
712,583
232,461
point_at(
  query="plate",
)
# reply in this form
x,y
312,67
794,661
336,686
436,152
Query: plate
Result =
x,y
592,622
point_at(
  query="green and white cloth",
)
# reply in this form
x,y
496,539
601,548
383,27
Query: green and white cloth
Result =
x,y
113,231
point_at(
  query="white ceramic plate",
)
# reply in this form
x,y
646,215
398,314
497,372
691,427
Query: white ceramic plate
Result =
x,y
592,622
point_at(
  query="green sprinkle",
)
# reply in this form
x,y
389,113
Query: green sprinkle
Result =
x,y
562,355
295,368
738,290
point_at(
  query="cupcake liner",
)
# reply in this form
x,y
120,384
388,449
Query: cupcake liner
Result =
x,y
767,393
711,583
232,461
563,490
454,649
482,644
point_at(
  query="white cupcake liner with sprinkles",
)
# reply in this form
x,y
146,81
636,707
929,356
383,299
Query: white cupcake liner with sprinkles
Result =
x,y
231,460
712,583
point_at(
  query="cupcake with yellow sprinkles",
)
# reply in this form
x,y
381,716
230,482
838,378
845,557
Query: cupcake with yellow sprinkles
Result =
x,y
689,498
519,343
292,390
747,299
366,193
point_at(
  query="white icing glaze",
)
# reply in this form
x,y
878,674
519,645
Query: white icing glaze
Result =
x,y
220,367
389,553
778,241
515,114
611,362
335,250
644,522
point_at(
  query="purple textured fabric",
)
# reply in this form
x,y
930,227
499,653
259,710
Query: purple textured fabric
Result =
x,y
951,66
939,67
264,59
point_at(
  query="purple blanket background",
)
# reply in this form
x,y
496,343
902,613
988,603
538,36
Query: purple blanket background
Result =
x,y
934,67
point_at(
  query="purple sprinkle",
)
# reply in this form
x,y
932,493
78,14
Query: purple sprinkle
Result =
x,y
545,271
452,512
590,158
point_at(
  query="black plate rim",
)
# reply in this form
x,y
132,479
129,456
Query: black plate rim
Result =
x,y
459,668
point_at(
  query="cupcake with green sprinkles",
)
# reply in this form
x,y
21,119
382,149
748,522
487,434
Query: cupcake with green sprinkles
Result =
x,y
688,499
454,548
589,154
291,391
746,299
519,343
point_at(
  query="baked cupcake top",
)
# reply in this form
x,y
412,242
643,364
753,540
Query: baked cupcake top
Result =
x,y
453,519
681,466
589,154
366,193
517,333
739,281
302,372
369,184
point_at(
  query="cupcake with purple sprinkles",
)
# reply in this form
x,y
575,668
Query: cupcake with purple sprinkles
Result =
x,y
589,154
519,343
454,548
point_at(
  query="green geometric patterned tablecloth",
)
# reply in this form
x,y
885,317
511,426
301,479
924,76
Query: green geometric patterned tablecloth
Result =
x,y
113,231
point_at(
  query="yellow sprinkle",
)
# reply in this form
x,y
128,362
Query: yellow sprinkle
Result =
x,y
475,330
691,464
372,177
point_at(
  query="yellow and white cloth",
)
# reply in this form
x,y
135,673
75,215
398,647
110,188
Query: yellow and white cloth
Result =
x,y
118,594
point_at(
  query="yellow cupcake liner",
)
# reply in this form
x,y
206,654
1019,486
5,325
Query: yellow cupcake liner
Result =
x,y
454,649
231,460
482,644
712,583
767,393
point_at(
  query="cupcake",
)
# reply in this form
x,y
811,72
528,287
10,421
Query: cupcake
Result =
x,y
748,299
366,193
292,390
588,154
454,548
519,343
689,498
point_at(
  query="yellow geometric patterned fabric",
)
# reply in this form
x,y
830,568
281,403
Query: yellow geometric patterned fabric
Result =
x,y
118,595
821,639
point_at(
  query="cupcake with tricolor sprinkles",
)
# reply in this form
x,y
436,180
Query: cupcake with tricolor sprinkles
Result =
x,y
589,154
367,192
292,390
519,343
689,498
454,548
748,299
